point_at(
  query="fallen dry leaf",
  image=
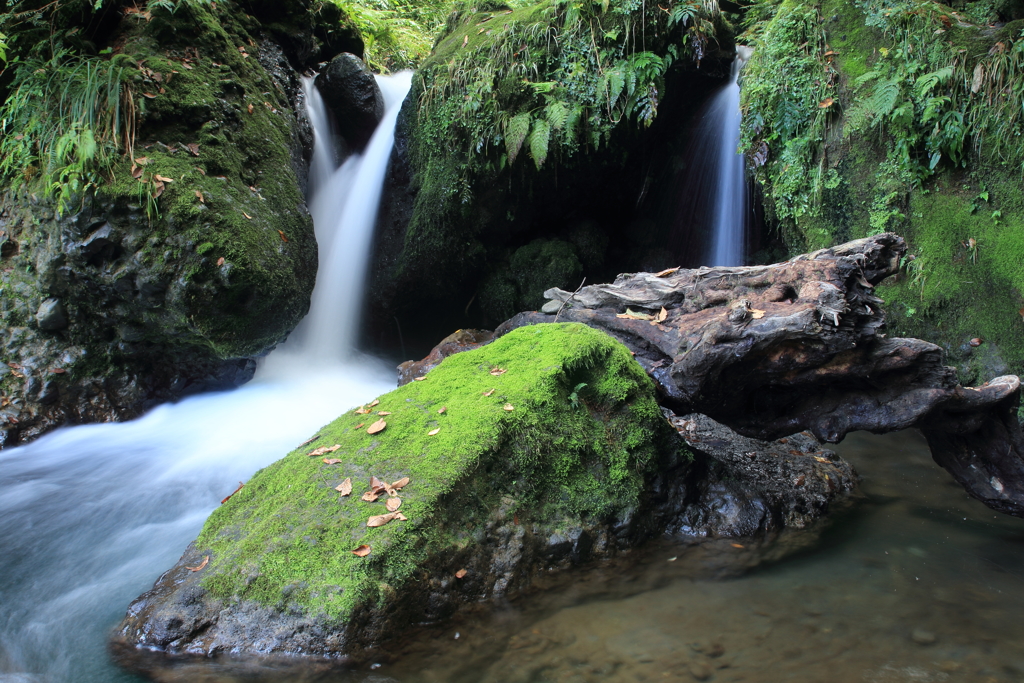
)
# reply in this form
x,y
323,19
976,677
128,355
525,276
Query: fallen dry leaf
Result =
x,y
383,412
158,189
666,272
461,574
509,407
206,561
200,196
826,103
465,41
418,379
736,545
661,317
163,178
251,108
376,485
433,432
370,496
498,371
377,427
201,171
247,215
380,520
240,485
149,95
400,517
976,342
400,484
324,450
756,313
281,233
331,461
361,551
359,426
393,504
58,371
193,148
345,487
309,441
375,402
136,171
362,411
633,315
488,392
220,261
442,410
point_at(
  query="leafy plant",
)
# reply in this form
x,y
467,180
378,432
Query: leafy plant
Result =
x,y
574,397
65,122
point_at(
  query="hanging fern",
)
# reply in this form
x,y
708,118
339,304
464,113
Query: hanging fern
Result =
x,y
539,142
515,134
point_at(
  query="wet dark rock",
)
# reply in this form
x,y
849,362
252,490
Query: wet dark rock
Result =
x,y
51,315
350,92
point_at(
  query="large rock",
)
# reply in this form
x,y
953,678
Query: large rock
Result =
x,y
169,294
350,91
551,450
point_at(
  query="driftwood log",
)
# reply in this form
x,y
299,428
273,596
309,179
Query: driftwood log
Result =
x,y
778,349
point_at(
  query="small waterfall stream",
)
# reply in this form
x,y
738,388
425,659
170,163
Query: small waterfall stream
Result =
x,y
722,123
92,514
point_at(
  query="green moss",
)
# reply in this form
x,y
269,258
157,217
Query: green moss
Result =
x,y
543,264
288,527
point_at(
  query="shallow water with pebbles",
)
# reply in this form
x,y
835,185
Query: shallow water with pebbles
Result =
x,y
913,582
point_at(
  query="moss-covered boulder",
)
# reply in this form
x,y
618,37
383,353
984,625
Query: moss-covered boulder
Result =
x,y
543,448
906,117
168,223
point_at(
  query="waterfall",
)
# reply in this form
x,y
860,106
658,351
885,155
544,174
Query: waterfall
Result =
x,y
92,514
730,209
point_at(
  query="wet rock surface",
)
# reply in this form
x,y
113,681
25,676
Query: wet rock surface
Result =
x,y
351,94
460,340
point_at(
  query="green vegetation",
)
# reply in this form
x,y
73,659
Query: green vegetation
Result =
x,y
398,33
522,449
901,115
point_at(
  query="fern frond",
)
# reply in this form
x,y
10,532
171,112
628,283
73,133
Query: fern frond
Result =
x,y
515,134
557,114
539,142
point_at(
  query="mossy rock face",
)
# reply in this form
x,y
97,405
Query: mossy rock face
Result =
x,y
549,449
175,292
855,166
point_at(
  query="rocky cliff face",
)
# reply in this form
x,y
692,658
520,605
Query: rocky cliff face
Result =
x,y
196,254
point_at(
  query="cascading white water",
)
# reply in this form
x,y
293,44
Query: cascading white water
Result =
x,y
91,515
722,123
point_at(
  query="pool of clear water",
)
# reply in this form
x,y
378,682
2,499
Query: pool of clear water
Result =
x,y
912,582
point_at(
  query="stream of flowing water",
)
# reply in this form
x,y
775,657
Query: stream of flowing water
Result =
x,y
730,216
91,515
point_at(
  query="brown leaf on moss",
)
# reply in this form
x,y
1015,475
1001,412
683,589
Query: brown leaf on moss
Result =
x,y
201,171
433,432
370,497
345,487
149,95
509,407
375,402
250,108
361,551
281,233
461,574
359,426
331,461
826,103
220,261
976,342
324,450
380,520
309,441
488,392
247,215
163,178
442,410
206,561
400,517
377,427
376,484
158,189
418,379
362,411
383,412
400,484
200,196
136,171
498,371
193,148
392,504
